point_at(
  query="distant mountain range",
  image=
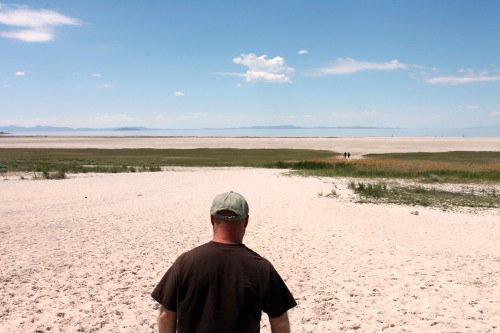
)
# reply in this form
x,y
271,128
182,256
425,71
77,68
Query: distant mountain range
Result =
x,y
14,129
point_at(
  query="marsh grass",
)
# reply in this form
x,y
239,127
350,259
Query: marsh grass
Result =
x,y
420,196
427,170
146,160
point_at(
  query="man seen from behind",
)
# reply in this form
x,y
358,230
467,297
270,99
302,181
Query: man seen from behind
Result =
x,y
223,286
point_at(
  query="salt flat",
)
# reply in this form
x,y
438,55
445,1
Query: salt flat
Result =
x,y
357,146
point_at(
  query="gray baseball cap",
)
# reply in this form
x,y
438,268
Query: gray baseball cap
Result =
x,y
231,201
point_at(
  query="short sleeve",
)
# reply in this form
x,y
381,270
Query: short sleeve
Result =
x,y
279,299
165,292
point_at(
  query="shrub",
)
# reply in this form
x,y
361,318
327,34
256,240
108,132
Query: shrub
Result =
x,y
370,190
3,168
282,165
154,168
53,175
434,177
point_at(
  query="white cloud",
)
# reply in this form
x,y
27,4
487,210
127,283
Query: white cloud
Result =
x,y
5,85
353,115
29,35
457,80
496,114
200,114
254,76
20,73
104,86
36,25
349,65
301,52
467,76
178,93
254,63
261,69
469,107
96,75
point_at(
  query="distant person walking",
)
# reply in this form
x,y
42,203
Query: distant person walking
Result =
x,y
348,155
223,286
345,155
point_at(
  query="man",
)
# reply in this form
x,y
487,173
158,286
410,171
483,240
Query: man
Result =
x,y
223,286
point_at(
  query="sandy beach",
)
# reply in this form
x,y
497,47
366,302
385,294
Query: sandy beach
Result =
x,y
84,253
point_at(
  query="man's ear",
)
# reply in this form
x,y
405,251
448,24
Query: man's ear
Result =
x,y
246,221
212,220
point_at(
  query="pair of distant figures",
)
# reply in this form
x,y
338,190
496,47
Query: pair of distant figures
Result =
x,y
347,155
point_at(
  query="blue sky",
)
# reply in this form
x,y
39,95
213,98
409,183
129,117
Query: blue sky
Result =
x,y
192,64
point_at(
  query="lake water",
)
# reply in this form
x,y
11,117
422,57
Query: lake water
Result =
x,y
472,132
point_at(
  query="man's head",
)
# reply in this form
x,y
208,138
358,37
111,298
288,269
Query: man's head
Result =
x,y
229,206
229,217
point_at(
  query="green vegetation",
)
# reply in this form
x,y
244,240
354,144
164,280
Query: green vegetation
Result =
x,y
450,156
425,167
140,160
418,195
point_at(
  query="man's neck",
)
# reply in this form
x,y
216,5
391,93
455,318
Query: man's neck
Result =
x,y
225,240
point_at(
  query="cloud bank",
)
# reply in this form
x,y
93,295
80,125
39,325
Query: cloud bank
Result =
x,y
36,25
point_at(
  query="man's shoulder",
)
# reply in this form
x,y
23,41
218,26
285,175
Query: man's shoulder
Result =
x,y
220,249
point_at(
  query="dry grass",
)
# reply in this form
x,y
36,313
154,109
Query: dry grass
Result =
x,y
420,169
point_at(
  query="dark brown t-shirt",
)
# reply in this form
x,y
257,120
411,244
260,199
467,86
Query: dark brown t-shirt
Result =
x,y
222,288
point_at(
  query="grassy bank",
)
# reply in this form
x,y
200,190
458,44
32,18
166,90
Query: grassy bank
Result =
x,y
137,160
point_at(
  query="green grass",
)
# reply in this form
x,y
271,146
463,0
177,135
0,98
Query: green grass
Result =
x,y
138,160
450,156
420,196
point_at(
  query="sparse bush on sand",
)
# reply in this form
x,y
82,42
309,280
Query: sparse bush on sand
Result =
x,y
421,196
53,175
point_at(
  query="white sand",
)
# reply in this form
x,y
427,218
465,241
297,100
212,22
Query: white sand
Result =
x,y
83,254
357,146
